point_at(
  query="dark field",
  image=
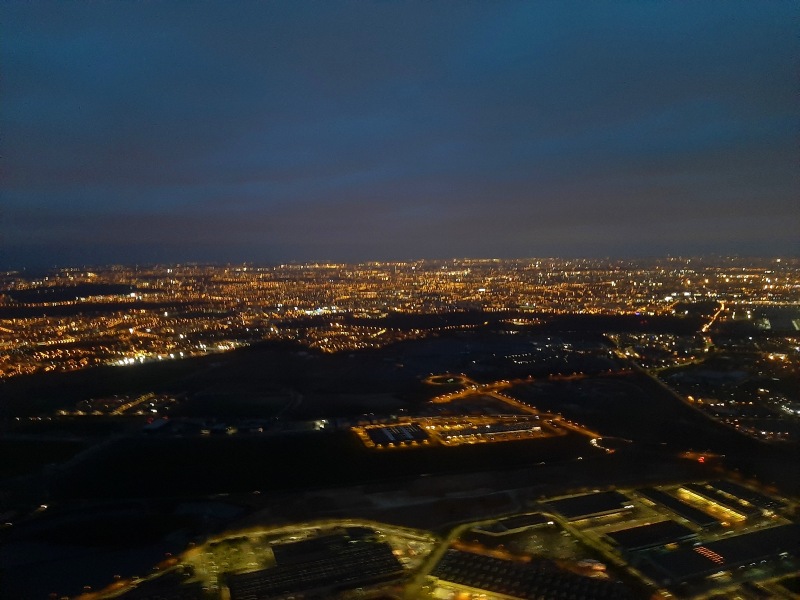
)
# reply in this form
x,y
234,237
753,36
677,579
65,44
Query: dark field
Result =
x,y
85,308
637,408
286,380
185,466
20,456
256,369
61,293
396,369
223,405
792,584
109,528
628,406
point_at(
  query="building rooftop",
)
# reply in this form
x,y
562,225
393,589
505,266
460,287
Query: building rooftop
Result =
x,y
691,563
744,493
650,536
526,580
331,562
680,508
589,505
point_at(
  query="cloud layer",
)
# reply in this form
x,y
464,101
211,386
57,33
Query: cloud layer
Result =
x,y
266,131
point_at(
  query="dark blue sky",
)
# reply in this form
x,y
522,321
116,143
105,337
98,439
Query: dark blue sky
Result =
x,y
273,131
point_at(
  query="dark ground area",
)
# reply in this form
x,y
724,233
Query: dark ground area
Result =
x,y
20,456
287,380
187,466
396,369
90,542
294,472
61,293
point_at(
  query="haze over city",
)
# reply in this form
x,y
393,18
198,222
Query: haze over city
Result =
x,y
351,131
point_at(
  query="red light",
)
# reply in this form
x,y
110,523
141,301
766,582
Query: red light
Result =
x,y
701,459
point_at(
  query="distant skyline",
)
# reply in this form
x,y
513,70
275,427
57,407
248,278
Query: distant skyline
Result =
x,y
140,132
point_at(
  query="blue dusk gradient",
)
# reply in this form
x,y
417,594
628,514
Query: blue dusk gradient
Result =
x,y
274,131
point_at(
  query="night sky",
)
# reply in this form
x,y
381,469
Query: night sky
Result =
x,y
273,131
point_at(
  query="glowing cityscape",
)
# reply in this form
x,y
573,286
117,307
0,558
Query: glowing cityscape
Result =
x,y
77,318
336,300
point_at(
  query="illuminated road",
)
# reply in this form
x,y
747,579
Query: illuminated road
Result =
x,y
708,325
248,550
414,590
493,390
133,403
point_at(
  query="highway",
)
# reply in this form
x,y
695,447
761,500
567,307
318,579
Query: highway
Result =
x,y
708,325
133,403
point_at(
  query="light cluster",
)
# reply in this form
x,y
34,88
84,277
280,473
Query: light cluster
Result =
x,y
76,318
